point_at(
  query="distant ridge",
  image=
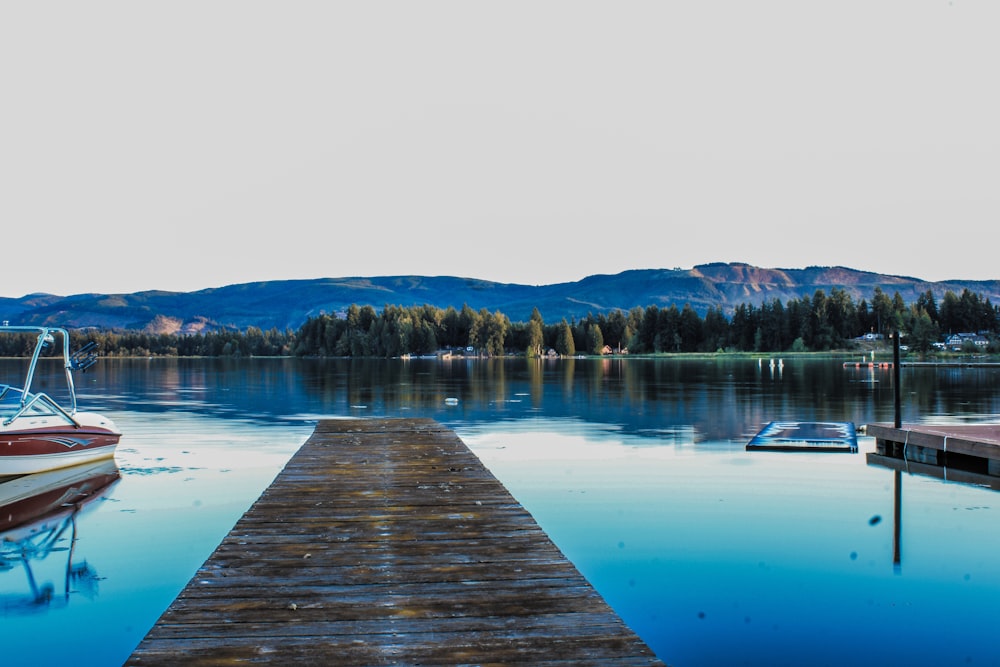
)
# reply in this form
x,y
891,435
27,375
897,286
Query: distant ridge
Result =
x,y
284,304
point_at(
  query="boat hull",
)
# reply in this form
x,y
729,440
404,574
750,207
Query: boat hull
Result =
x,y
30,445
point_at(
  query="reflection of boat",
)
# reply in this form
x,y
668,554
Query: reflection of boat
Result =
x,y
38,517
806,437
37,433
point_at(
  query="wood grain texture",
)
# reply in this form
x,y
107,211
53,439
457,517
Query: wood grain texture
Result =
x,y
387,542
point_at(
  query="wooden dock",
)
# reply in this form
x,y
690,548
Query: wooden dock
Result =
x,y
959,452
387,542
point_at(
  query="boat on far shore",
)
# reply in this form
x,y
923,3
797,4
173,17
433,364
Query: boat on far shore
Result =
x,y
37,433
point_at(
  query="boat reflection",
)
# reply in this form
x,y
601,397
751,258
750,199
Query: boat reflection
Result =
x,y
39,517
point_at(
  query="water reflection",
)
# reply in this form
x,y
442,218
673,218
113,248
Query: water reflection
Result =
x,y
719,399
39,522
724,398
967,470
901,469
635,467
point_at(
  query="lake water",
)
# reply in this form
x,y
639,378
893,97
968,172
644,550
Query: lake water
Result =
x,y
635,467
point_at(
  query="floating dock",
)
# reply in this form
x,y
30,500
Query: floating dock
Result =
x,y
958,452
387,542
791,436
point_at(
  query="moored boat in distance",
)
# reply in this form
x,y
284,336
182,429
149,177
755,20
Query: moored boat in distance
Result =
x,y
39,434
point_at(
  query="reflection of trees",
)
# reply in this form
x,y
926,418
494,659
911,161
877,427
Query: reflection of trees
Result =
x,y
536,381
568,371
494,382
719,398
951,390
389,385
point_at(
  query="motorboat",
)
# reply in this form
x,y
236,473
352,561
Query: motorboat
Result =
x,y
36,432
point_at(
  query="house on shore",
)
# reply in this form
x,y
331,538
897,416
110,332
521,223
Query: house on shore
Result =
x,y
956,342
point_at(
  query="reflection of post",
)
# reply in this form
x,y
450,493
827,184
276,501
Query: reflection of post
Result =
x,y
897,510
897,517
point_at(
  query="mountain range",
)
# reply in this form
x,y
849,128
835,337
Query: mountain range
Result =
x,y
286,304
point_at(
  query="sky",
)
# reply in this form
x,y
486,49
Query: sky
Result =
x,y
185,145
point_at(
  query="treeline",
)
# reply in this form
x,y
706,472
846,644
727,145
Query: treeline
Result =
x,y
823,322
398,330
252,342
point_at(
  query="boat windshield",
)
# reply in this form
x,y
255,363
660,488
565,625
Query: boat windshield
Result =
x,y
10,398
10,403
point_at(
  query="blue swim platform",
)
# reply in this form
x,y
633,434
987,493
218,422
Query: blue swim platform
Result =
x,y
786,436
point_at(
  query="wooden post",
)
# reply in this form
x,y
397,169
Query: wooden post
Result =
x,y
895,380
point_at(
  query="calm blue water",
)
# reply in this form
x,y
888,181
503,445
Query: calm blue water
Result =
x,y
636,469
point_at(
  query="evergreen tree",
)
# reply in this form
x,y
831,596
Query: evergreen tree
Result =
x,y
595,339
715,330
564,343
884,313
924,331
690,328
535,338
646,331
668,333
490,331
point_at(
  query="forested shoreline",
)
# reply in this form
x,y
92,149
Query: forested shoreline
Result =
x,y
821,323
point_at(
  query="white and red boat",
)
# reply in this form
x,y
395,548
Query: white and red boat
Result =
x,y
39,434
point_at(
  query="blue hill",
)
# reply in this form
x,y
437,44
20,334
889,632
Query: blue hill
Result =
x,y
286,304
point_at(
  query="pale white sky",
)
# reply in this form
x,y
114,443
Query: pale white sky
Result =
x,y
182,145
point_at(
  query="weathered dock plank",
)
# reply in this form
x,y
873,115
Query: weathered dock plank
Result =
x,y
387,542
